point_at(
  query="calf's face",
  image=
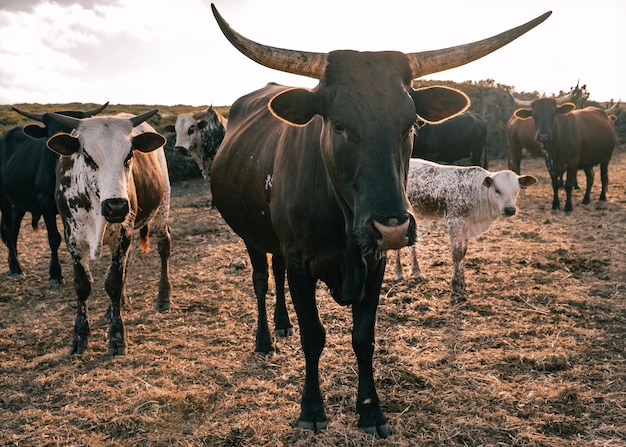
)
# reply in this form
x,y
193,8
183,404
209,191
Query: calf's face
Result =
x,y
503,189
103,151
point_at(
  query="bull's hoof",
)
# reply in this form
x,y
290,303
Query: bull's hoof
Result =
x,y
379,432
284,333
78,346
315,427
458,297
116,349
57,281
162,306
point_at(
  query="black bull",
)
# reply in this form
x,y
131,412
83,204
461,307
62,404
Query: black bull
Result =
x,y
462,136
571,139
317,177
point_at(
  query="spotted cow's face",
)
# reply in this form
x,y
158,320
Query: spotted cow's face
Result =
x,y
103,150
503,190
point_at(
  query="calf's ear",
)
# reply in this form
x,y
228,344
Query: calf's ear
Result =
x,y
63,144
148,141
487,181
526,180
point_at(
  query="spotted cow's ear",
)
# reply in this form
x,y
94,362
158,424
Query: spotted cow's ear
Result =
x,y
148,141
170,128
526,180
487,181
63,144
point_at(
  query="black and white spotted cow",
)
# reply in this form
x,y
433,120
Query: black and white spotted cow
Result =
x,y
111,179
199,135
468,199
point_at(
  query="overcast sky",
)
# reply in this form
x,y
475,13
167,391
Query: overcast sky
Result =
x,y
172,52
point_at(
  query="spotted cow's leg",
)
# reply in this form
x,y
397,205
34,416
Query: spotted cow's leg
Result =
x,y
114,286
82,286
415,266
282,325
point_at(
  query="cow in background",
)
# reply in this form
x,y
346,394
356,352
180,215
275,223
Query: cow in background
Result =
x,y
468,199
112,178
570,139
461,136
27,178
199,135
319,177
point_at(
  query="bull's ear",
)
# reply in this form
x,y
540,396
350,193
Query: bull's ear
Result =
x,y
523,114
526,180
202,124
487,181
296,106
63,144
148,141
439,103
170,128
35,131
566,108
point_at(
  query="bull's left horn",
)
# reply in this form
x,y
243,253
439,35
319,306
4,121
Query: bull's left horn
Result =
x,y
69,121
137,120
427,62
302,63
34,116
95,111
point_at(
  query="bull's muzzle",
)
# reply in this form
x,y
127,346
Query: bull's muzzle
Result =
x,y
509,211
394,235
114,210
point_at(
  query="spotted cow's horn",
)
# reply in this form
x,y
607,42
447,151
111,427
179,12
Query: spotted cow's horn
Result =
x,y
68,121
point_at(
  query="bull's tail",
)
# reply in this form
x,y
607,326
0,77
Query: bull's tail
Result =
x,y
485,163
144,238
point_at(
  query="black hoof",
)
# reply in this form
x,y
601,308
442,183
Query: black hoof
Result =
x,y
315,427
379,432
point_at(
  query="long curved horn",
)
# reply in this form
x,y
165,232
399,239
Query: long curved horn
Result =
x,y
137,120
34,116
96,110
69,121
297,62
566,98
427,62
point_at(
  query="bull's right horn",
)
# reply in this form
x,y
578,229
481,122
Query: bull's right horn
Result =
x,y
137,120
428,62
34,116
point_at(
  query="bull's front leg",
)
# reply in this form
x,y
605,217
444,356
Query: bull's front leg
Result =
x,y
371,417
313,338
82,286
589,177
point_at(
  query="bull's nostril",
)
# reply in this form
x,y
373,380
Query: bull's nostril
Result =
x,y
510,211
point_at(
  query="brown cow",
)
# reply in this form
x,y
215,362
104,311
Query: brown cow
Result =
x,y
571,139
319,177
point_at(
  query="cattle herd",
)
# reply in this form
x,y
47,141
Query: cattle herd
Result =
x,y
319,184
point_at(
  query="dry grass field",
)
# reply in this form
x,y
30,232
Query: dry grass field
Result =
x,y
535,357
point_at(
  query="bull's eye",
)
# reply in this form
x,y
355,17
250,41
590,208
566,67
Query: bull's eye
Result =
x,y
338,127
498,191
190,131
129,157
89,161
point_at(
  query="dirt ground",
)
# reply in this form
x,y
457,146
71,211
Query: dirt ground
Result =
x,y
535,357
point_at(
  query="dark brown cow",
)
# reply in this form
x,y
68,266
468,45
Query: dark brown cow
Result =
x,y
571,139
319,177
112,178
